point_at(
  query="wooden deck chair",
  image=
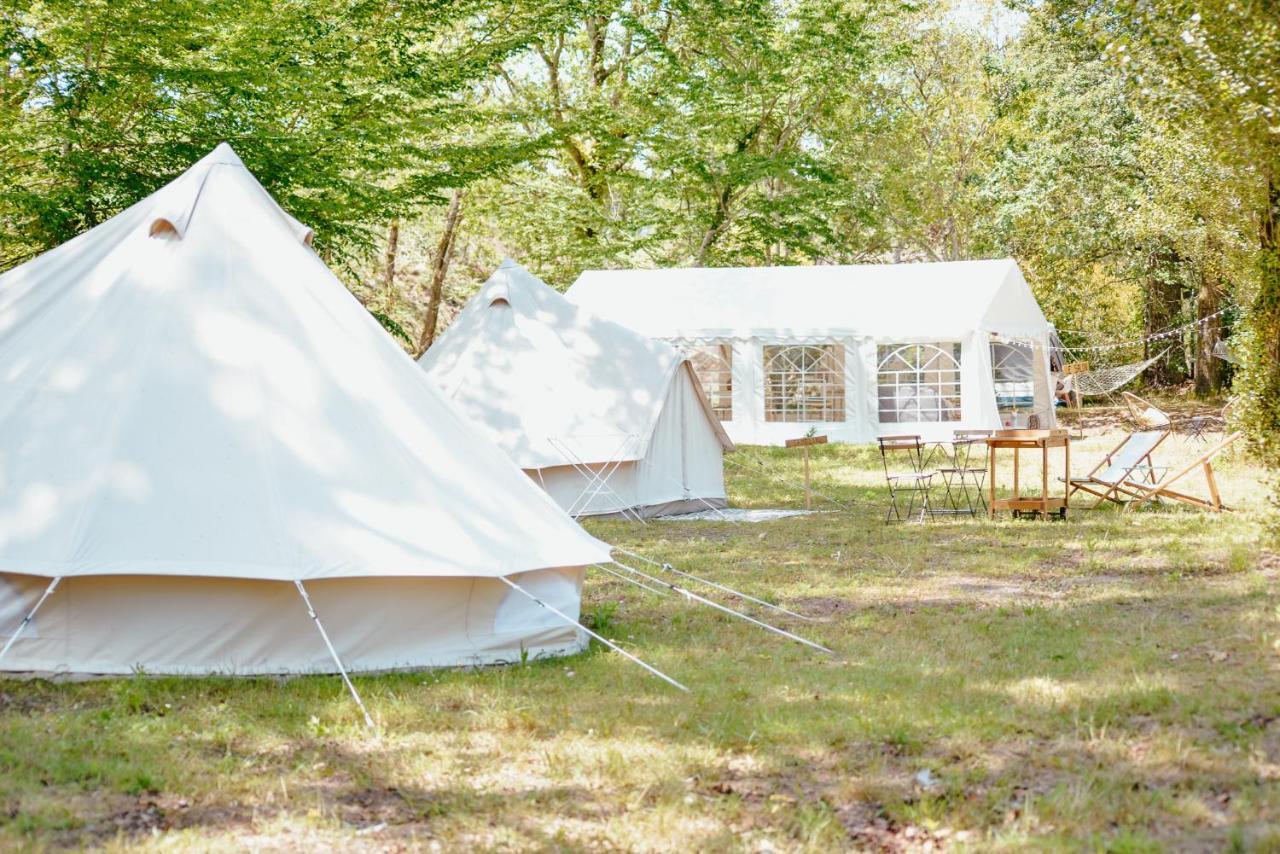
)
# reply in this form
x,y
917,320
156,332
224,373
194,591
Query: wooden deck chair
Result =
x,y
1143,493
1110,479
1146,415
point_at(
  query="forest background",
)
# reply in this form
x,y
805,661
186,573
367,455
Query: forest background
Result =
x,y
1125,152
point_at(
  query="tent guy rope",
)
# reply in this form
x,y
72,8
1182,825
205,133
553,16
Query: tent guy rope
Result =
x,y
48,591
368,721
613,646
689,594
629,579
666,567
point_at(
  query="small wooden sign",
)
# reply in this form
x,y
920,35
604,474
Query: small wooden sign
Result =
x,y
805,441
1075,368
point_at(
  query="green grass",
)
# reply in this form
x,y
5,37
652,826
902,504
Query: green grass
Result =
x,y
1109,683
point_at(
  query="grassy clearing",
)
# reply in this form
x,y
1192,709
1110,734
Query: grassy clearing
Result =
x,y
1107,683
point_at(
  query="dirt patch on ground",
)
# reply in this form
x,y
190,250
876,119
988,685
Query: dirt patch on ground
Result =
x,y
1269,564
383,805
151,815
1111,419
825,607
767,797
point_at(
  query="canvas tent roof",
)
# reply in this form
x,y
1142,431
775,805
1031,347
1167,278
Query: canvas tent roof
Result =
x,y
539,371
187,390
928,300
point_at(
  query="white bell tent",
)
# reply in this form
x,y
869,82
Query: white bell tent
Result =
x,y
853,351
606,420
198,423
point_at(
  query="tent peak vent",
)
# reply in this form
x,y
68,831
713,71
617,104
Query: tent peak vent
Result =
x,y
164,228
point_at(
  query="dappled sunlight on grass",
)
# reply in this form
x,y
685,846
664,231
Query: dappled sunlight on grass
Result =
x,y
1108,681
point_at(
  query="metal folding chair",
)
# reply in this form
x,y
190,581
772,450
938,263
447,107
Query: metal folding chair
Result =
x,y
1199,427
962,473
904,472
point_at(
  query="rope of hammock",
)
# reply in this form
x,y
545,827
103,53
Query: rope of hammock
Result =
x,y
1107,380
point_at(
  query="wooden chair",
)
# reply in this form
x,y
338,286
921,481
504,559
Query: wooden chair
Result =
x,y
1112,479
1143,493
1145,415
911,483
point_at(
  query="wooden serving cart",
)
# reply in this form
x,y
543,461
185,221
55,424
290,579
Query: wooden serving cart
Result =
x,y
1020,440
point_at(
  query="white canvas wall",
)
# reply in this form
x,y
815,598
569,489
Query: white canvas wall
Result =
x,y
682,469
856,306
195,413
192,625
560,389
861,363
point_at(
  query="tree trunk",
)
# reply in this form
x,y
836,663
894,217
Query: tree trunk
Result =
x,y
440,267
1164,292
1260,377
1208,333
389,263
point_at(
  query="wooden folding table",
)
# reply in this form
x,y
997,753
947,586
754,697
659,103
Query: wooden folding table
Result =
x,y
1019,440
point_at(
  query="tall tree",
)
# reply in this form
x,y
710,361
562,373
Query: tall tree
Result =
x,y
700,131
339,108
1218,66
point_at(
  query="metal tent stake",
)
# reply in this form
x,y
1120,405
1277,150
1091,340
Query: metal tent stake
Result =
x,y
613,646
334,653
53,585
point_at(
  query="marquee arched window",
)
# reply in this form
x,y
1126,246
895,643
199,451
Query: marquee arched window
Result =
x,y
804,383
919,383
713,365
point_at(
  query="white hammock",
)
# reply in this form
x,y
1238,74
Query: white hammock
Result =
x,y
1107,380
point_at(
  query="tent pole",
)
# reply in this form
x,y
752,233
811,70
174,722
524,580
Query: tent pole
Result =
x,y
53,585
669,568
334,653
689,594
613,646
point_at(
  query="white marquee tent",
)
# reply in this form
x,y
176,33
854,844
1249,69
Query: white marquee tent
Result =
x,y
605,420
198,423
855,351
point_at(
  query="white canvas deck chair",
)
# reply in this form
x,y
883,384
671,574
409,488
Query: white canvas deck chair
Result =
x,y
1143,493
1127,464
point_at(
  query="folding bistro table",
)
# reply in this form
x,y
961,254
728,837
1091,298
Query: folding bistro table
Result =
x,y
1019,440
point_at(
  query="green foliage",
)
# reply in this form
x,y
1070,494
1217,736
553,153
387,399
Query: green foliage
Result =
x,y
697,132
1126,152
338,108
1213,72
